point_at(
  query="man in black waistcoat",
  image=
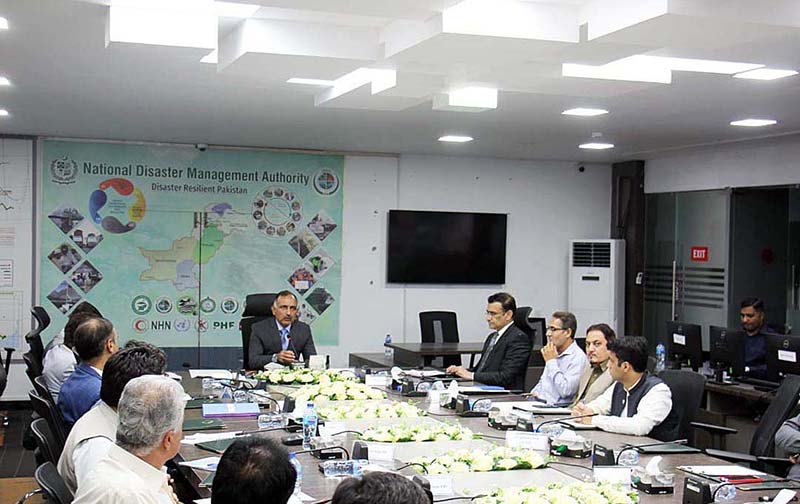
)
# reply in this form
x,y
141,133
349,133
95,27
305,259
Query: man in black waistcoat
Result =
x,y
639,403
506,350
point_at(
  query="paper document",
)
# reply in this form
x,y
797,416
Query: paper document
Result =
x,y
483,389
420,373
721,470
201,437
222,374
544,410
203,464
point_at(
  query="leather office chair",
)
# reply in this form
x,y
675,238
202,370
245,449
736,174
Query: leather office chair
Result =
x,y
535,329
34,337
33,368
40,386
45,440
687,393
439,327
52,484
257,307
762,445
52,415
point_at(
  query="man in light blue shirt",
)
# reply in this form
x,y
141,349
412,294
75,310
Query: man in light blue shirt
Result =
x,y
564,362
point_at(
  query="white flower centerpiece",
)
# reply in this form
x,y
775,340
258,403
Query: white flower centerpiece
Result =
x,y
480,460
407,433
337,391
559,493
362,410
303,376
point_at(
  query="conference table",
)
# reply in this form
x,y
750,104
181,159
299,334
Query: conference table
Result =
x,y
414,354
320,488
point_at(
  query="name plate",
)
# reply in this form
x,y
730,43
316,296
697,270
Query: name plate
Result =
x,y
679,338
377,381
612,474
381,452
527,440
787,356
330,428
441,484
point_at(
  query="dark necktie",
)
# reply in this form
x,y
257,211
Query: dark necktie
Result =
x,y
492,342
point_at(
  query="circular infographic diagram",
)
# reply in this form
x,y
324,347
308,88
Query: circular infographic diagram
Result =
x,y
277,212
114,202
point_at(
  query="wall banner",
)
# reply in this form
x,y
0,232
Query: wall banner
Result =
x,y
167,241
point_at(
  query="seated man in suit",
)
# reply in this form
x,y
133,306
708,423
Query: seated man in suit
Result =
x,y
281,339
639,404
254,469
596,377
564,362
754,325
96,341
506,350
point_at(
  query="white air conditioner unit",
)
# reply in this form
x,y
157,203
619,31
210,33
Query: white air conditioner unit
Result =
x,y
597,283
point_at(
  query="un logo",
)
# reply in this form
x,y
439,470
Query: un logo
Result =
x,y
64,171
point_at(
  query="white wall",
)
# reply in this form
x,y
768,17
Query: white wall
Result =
x,y
548,204
764,162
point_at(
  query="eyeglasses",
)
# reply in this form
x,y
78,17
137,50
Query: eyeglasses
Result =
x,y
494,314
554,329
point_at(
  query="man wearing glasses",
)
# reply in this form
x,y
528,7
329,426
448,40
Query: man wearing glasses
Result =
x,y
564,362
506,351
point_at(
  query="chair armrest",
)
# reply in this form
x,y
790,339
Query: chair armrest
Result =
x,y
781,464
732,456
714,429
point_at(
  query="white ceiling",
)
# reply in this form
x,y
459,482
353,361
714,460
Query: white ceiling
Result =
x,y
68,82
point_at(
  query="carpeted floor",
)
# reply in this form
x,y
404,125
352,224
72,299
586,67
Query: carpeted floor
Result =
x,y
15,461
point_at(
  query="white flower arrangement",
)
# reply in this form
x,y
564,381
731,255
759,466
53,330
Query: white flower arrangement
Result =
x,y
479,460
370,410
405,433
303,376
558,493
337,391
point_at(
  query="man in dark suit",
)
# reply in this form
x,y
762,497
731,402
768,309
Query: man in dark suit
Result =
x,y
506,351
281,339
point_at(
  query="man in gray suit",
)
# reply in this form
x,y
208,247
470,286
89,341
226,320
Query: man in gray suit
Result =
x,y
281,339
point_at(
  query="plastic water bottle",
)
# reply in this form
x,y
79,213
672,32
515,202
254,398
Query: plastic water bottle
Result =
x,y
724,492
388,353
628,458
343,468
298,467
309,425
661,358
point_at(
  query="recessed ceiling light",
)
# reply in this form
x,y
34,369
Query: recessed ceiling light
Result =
x,y
704,66
311,82
3,23
754,123
585,112
765,74
4,81
4,113
455,138
235,10
596,146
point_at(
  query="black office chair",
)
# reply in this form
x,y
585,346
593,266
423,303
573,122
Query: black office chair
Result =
x,y
762,445
439,327
34,337
33,368
40,386
45,440
52,484
257,307
687,394
50,412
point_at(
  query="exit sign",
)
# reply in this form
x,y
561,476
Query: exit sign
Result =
x,y
699,254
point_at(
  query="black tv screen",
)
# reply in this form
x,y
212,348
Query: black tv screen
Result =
x,y
446,247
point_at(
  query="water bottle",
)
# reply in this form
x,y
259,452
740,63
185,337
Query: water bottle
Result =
x,y
628,458
309,425
343,468
723,492
661,358
388,353
299,470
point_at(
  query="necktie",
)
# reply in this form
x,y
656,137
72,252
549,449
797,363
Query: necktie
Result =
x,y
285,337
485,358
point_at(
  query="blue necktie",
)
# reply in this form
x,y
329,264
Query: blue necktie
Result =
x,y
285,337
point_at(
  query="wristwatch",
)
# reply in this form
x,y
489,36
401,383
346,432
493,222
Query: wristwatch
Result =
x,y
274,357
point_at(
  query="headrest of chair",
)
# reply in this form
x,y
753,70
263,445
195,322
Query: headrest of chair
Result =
x,y
258,305
41,317
521,315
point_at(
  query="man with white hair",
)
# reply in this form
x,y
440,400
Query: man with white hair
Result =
x,y
149,432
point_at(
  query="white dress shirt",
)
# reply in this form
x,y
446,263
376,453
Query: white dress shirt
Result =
x,y
59,362
124,478
653,408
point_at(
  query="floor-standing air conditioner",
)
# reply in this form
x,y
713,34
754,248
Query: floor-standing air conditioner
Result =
x,y
597,283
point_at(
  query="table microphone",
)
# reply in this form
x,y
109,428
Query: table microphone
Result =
x,y
564,419
633,447
291,344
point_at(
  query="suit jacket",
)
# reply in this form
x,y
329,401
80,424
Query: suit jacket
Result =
x,y
79,393
598,387
508,360
265,341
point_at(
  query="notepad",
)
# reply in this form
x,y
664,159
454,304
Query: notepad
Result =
x,y
230,410
483,389
203,464
223,374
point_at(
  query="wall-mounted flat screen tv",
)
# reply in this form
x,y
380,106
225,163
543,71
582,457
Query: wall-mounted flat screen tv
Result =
x,y
446,247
